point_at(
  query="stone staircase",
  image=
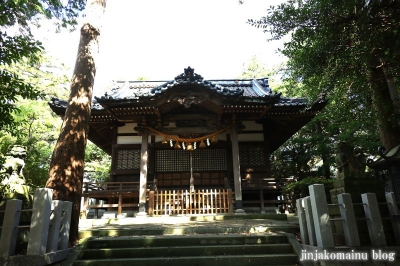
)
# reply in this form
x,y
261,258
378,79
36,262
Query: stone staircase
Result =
x,y
205,249
199,240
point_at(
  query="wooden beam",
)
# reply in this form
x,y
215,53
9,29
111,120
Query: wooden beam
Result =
x,y
188,130
266,109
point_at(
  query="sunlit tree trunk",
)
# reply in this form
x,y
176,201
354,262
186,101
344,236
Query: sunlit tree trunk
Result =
x,y
67,162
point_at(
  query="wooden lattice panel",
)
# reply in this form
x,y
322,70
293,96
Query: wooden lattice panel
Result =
x,y
209,160
172,161
173,202
128,159
252,156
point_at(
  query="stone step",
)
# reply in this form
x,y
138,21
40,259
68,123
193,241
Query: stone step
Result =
x,y
244,229
170,241
231,260
211,250
235,249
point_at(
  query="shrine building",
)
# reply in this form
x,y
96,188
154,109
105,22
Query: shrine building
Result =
x,y
191,145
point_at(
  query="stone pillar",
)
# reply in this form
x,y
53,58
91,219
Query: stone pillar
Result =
x,y
374,221
40,222
236,171
349,220
356,187
312,238
144,154
302,221
8,238
322,224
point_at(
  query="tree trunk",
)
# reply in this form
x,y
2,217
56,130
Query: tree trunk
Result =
x,y
393,91
389,128
325,165
67,162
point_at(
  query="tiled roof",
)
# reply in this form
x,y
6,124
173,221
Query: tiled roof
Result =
x,y
233,88
147,89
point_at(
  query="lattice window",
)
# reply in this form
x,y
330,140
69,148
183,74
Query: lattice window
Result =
x,y
209,160
251,156
172,161
128,159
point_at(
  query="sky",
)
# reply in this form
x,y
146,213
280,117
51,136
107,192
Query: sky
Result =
x,y
157,39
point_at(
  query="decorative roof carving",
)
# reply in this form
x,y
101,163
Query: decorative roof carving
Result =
x,y
189,75
190,99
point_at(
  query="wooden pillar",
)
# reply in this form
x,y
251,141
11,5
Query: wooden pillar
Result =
x,y
151,202
236,171
119,204
262,201
266,150
191,171
144,154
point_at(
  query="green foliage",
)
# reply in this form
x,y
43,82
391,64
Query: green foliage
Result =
x,y
335,47
97,164
254,69
17,45
299,189
38,130
37,127
340,49
12,50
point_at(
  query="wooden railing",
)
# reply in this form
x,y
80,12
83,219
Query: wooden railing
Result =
x,y
49,230
257,184
105,187
118,194
205,201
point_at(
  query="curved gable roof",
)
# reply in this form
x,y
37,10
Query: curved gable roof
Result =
x,y
233,89
130,101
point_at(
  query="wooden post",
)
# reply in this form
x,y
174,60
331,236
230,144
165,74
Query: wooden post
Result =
x,y
9,231
144,155
151,202
393,210
188,202
349,220
236,171
374,221
119,203
40,221
230,199
262,201
191,171
85,210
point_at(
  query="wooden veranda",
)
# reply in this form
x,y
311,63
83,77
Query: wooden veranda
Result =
x,y
121,196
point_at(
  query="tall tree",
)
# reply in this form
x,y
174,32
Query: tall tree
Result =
x,y
347,49
254,69
67,162
17,44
